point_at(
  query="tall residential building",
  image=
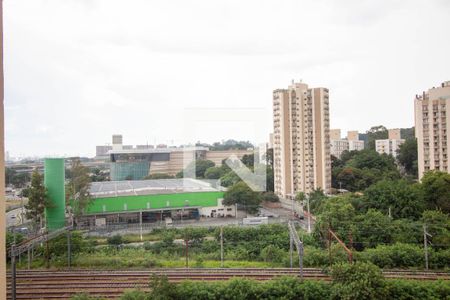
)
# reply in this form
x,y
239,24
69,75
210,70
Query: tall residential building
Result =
x,y
432,120
302,160
391,145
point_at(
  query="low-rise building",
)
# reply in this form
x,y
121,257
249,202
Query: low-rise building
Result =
x,y
339,145
147,201
391,145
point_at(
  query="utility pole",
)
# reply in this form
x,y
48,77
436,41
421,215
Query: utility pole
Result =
x,y
425,244
221,246
294,238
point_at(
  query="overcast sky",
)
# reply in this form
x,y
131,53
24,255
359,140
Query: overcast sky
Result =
x,y
77,71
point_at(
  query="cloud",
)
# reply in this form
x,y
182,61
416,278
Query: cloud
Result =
x,y
78,71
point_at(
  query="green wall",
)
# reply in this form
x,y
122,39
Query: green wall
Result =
x,y
134,203
54,182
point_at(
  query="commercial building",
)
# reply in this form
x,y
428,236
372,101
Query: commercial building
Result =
x,y
123,202
432,120
339,145
137,163
302,160
391,145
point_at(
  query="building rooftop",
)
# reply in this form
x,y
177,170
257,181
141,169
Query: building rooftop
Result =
x,y
155,150
147,187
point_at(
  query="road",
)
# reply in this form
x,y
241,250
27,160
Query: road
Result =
x,y
14,217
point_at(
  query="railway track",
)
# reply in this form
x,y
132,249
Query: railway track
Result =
x,y
63,284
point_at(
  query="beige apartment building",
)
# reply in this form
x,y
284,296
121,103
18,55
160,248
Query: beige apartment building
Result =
x,y
352,135
339,145
432,120
391,145
301,140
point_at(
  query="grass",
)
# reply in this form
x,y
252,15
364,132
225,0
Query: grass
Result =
x,y
139,258
129,238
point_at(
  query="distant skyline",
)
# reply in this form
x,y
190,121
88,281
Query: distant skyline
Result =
x,y
78,71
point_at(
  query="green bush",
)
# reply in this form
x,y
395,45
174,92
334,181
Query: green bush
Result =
x,y
115,240
408,289
393,256
272,254
357,281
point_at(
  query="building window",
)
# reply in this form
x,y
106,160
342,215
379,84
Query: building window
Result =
x,y
148,205
125,206
104,208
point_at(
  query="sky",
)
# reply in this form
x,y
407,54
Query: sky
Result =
x,y
78,71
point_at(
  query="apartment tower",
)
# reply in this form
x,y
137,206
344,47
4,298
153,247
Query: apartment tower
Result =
x,y
432,120
301,140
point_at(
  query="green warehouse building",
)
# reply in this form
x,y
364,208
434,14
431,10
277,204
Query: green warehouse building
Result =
x,y
147,201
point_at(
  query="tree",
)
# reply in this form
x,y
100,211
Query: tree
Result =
x,y
270,197
248,160
269,157
315,199
241,194
436,190
18,180
214,172
77,189
403,199
229,179
270,180
372,229
438,226
97,175
376,133
357,170
300,197
159,176
201,165
337,213
37,199
407,156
